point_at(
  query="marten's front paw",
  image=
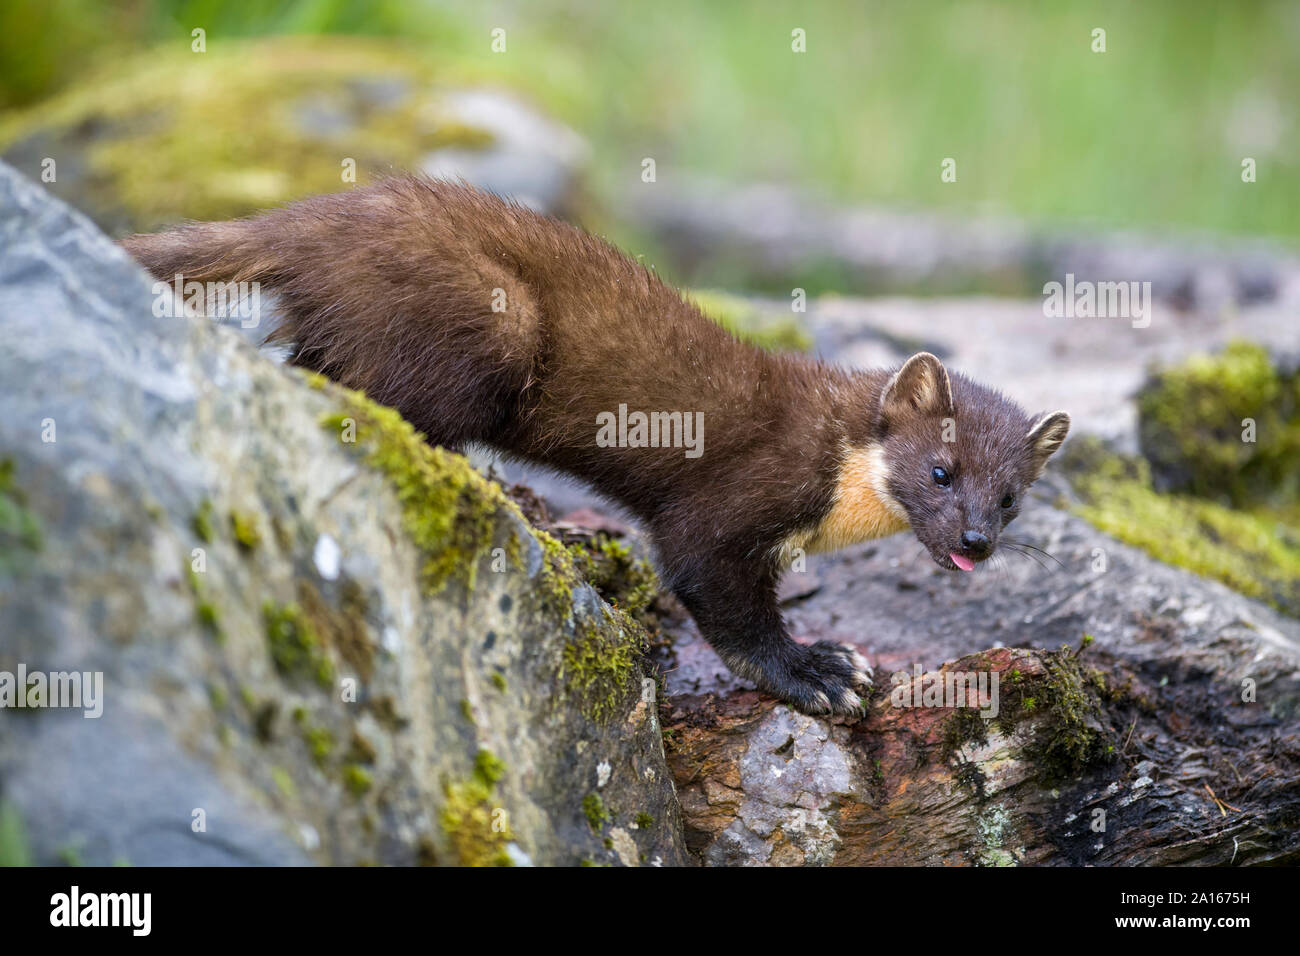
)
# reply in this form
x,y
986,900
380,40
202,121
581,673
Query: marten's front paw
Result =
x,y
826,679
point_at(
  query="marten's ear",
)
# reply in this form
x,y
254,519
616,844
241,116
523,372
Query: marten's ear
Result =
x,y
1045,437
920,387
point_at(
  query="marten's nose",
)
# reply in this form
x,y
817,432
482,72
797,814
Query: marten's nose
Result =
x,y
975,543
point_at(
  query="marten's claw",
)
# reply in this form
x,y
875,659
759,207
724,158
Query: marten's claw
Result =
x,y
862,675
826,680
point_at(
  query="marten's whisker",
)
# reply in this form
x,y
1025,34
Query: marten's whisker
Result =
x,y
1026,544
1017,549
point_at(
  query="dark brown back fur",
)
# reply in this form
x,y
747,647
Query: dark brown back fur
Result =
x,y
390,288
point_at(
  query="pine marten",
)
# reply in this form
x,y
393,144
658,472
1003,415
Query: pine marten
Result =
x,y
484,322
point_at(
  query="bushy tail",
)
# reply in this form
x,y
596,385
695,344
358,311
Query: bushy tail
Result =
x,y
412,290
234,251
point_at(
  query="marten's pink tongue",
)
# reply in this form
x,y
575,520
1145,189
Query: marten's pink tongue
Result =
x,y
966,564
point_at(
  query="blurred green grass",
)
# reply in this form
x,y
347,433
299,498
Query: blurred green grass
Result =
x,y
1149,134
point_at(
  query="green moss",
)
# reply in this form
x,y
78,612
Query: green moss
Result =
x,y
295,646
320,744
644,821
558,575
357,779
593,808
515,550
283,782
451,512
1190,426
1070,734
208,617
69,854
204,609
448,508
965,726
244,528
1251,552
202,522
599,665
628,583
20,529
499,681
468,817
13,837
743,319
489,767
168,135
1065,701
218,697
1074,737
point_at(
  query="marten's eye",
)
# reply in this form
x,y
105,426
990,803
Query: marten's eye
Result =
x,y
1008,501
940,476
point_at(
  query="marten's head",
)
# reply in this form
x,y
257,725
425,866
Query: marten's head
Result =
x,y
959,457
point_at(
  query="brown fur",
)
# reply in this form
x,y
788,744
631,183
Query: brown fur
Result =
x,y
390,289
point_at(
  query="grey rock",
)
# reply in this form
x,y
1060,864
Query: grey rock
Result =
x,y
216,743
780,788
532,158
777,232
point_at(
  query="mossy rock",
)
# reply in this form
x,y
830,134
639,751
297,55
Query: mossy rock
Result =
x,y
1195,424
626,581
1063,698
1255,552
306,614
449,509
173,134
453,514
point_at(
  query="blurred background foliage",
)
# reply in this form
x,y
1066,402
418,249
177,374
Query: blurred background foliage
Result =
x,y
1150,133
